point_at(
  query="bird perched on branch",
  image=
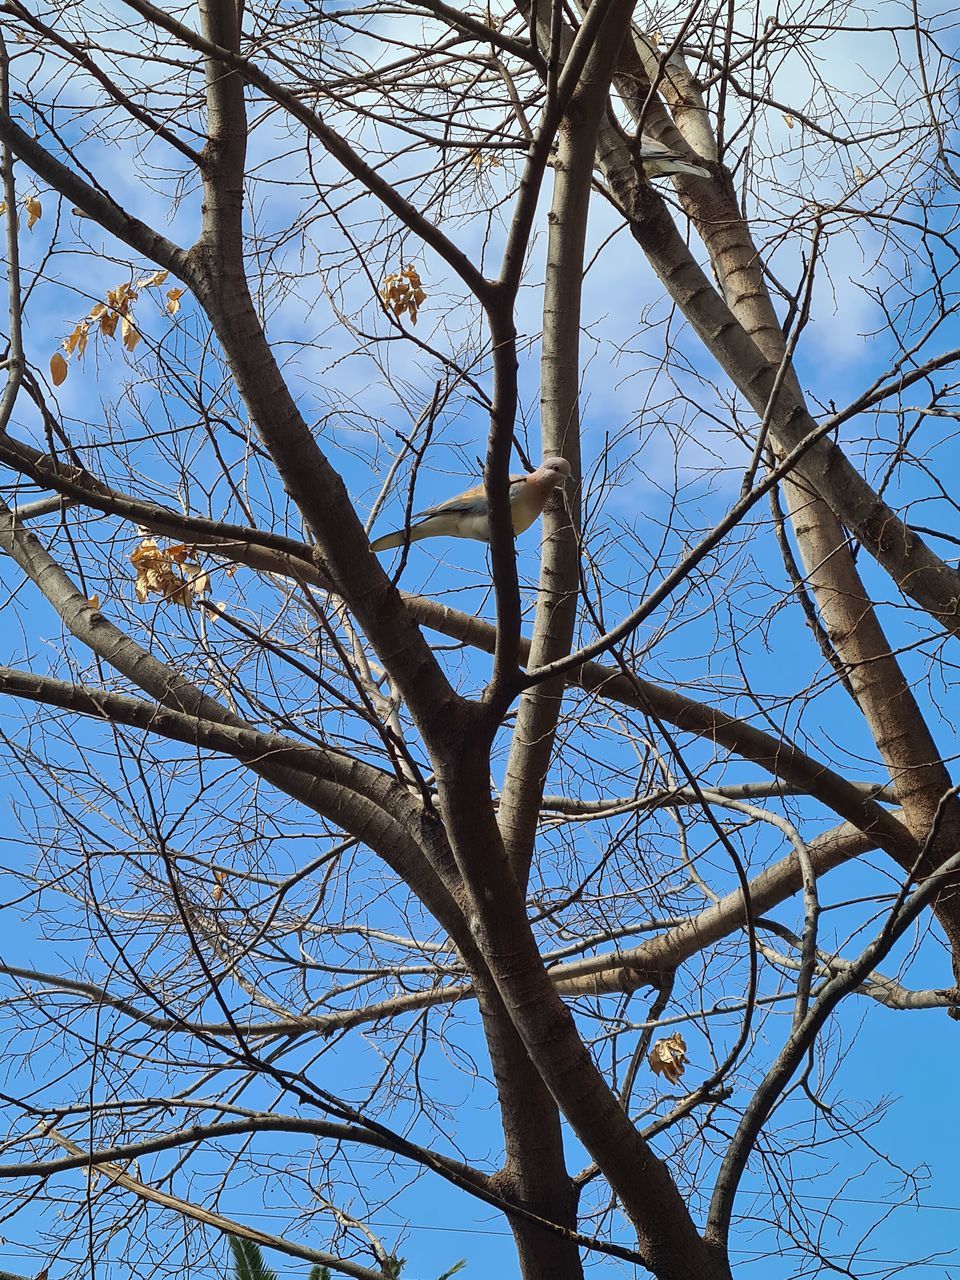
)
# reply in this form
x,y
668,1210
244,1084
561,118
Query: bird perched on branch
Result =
x,y
465,516
659,161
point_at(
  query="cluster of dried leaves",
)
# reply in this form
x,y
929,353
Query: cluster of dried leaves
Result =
x,y
106,315
102,319
402,291
168,572
669,1057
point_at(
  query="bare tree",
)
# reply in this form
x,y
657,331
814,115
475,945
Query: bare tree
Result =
x,y
319,861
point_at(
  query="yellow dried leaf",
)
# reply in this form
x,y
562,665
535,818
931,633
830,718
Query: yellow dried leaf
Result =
x,y
3,207
34,210
148,282
482,160
173,300
129,333
77,341
788,120
121,298
108,323
94,602
859,174
58,369
197,579
669,1057
147,549
97,311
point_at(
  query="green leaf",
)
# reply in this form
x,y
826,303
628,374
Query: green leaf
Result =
x,y
457,1266
248,1263
319,1273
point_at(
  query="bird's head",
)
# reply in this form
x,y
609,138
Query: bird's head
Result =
x,y
553,471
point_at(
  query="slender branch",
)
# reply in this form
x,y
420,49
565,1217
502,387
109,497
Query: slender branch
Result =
x,y
470,1182
904,912
217,1220
14,360
681,571
82,58
337,146
140,237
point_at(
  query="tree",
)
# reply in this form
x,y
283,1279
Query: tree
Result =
x,y
319,860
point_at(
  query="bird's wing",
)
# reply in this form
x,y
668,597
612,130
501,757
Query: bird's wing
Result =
x,y
651,147
470,502
664,161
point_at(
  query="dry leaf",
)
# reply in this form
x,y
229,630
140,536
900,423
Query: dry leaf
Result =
x,y
484,159
58,369
197,579
148,282
121,298
77,341
108,323
173,300
3,207
94,602
129,333
788,120
669,1057
859,174
34,210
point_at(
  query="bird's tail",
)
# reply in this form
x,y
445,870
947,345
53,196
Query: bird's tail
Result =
x,y
668,166
388,541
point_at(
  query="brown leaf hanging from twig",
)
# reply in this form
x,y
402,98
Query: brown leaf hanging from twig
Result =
x,y
669,1057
